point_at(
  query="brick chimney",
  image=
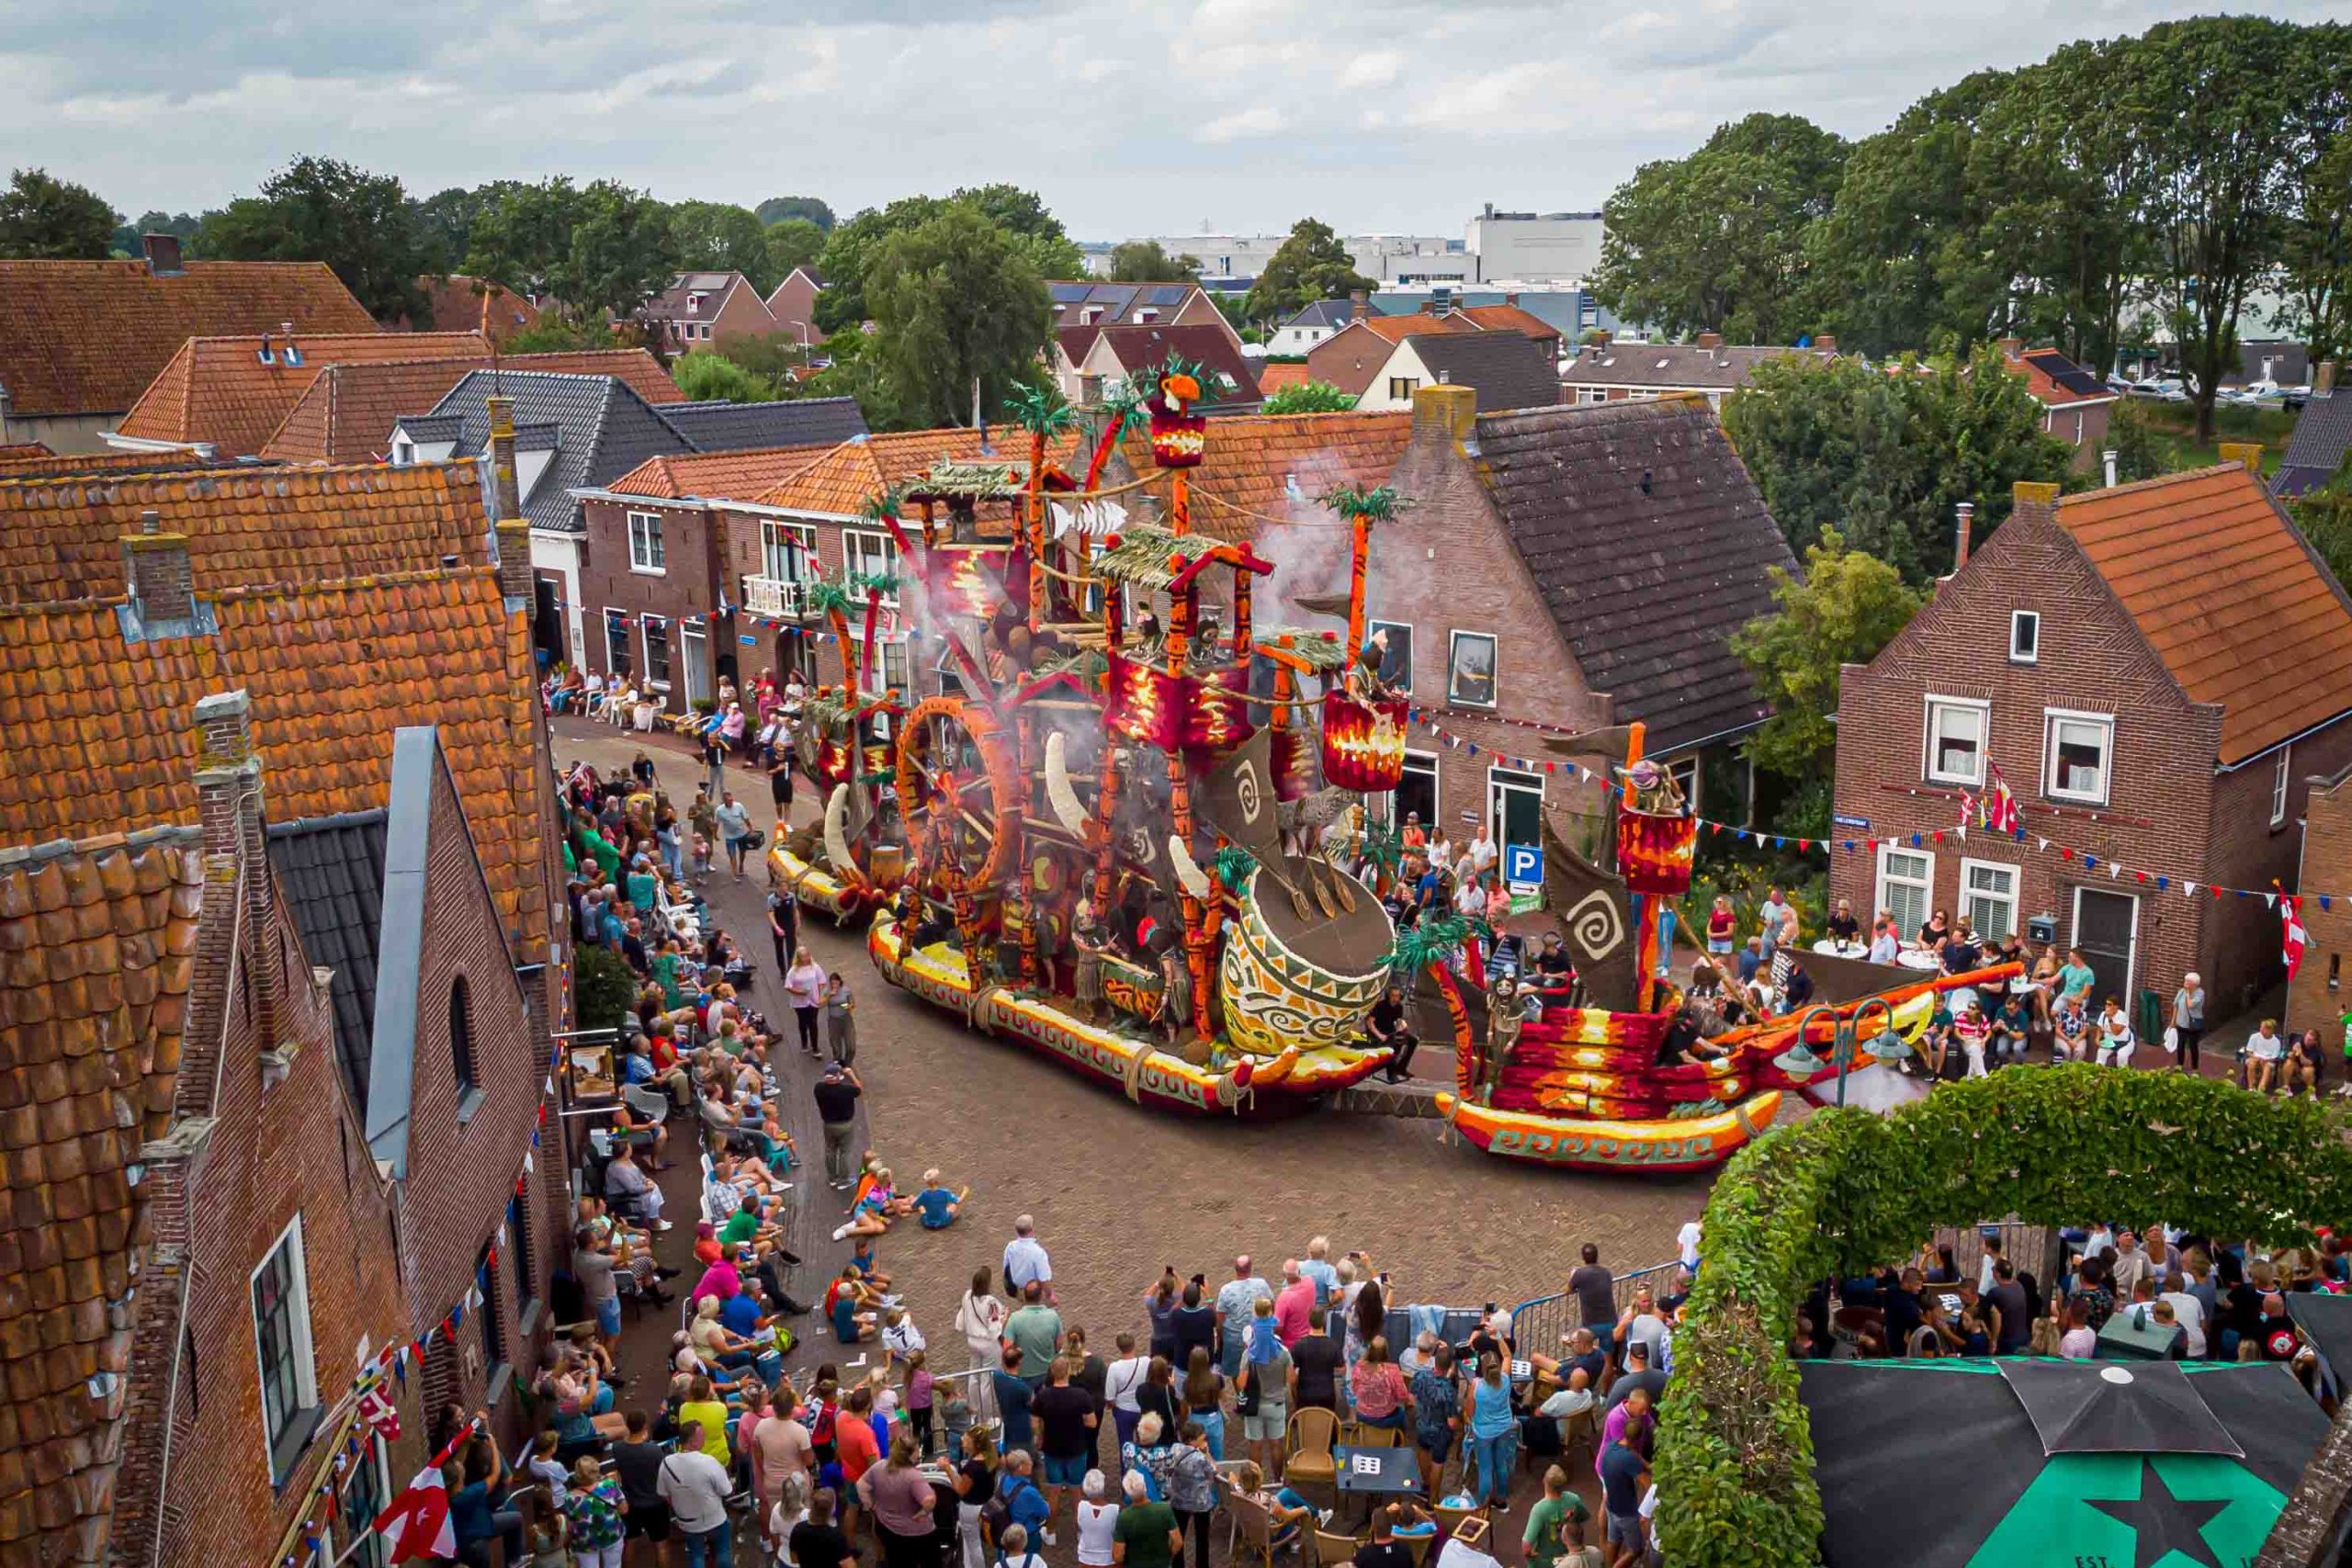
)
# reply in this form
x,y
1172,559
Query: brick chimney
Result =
x,y
2011,347
2322,382
229,809
1359,304
2247,453
162,254
1711,340
1824,343
2034,499
504,490
1964,525
156,572
513,542
1510,297
1446,411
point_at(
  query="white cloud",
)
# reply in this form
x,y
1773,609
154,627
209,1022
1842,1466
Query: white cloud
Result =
x,y
1377,68
1262,120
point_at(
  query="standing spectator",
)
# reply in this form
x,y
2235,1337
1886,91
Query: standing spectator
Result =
x,y
1190,1477
900,1500
1595,1291
2188,1020
735,830
1123,1379
1097,1524
636,1463
1772,919
1292,1305
695,1487
1026,1261
1315,1362
804,987
1723,927
1014,1398
1194,1323
783,926
1436,1415
1317,1267
837,1095
1624,1476
841,1018
1494,1432
1065,1421
975,1486
1556,1507
1024,1504
1035,1333
1147,1535
2075,979
782,1454
1236,1303
979,1318
1264,1391
1204,1394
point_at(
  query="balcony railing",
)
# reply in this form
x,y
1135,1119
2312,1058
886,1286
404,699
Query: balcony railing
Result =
x,y
779,598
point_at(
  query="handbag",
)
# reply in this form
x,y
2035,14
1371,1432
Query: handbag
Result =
x,y
2172,1040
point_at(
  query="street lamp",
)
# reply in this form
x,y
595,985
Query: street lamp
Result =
x,y
1799,1061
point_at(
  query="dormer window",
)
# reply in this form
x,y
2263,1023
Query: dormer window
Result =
x,y
694,304
266,353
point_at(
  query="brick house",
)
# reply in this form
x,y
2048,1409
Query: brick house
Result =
x,y
1351,357
1608,371
700,308
2075,403
2155,671
1615,550
80,340
1136,354
225,396
2315,996
792,306
1505,369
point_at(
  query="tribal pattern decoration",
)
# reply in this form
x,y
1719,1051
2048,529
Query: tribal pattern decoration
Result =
x,y
1275,1000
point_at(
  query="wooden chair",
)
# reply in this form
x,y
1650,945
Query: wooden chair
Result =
x,y
1450,1520
1311,1435
1419,1545
1248,1529
1330,1549
1361,1434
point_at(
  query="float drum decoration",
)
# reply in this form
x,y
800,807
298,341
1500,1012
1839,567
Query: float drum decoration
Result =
x,y
1655,839
1288,979
1363,743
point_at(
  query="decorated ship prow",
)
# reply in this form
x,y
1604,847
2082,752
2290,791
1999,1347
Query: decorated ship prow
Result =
x,y
849,861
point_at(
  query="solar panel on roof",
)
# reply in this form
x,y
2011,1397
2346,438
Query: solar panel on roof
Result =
x,y
1165,293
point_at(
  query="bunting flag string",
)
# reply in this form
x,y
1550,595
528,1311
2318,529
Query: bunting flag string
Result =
x,y
2163,882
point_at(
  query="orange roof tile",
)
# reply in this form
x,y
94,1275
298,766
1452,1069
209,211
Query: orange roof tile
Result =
x,y
246,527
715,476
217,390
101,737
1394,330
87,337
348,411
841,479
96,950
1258,467
24,452
457,303
1273,375
2229,595
1509,318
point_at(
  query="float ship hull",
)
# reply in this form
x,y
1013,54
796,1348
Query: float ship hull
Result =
x,y
817,888
1253,1086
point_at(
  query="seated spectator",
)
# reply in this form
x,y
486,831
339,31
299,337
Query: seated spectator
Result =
x,y
936,1204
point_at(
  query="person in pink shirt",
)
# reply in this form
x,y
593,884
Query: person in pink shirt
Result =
x,y
1292,1304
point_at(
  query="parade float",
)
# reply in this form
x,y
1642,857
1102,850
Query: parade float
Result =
x,y
1118,839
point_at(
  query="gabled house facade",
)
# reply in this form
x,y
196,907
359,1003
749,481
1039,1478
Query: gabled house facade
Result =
x,y
792,304
347,414
1136,356
700,308
1505,369
2075,403
2154,671
1352,357
1311,325
223,397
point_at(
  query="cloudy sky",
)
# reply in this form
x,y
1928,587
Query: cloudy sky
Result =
x,y
1131,117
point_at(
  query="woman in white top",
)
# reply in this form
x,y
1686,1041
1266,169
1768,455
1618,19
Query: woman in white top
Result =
x,y
1097,1522
981,1320
2115,1042
1122,1381
1014,1551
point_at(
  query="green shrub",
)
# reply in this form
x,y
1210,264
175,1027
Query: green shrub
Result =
x,y
605,990
1843,1191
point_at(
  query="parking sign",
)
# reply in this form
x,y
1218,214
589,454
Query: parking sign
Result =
x,y
1522,862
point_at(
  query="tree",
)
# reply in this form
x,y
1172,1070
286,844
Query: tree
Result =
x,y
2325,517
856,371
181,226
44,218
702,374
446,219
1848,606
775,358
956,301
851,248
315,208
786,208
794,243
2318,253
1885,457
603,989
1308,397
605,249
718,236
1036,233
1309,264
559,332
1716,242
1145,261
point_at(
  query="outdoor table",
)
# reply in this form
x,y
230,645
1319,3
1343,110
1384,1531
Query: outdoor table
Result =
x,y
1374,1473
1842,949
2121,1338
1919,958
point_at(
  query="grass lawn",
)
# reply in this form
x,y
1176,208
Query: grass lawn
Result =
x,y
2175,425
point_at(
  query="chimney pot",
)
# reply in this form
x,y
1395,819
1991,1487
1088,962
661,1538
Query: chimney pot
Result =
x,y
286,328
1446,411
2323,379
1711,340
1824,343
162,254
1965,519
2107,460
1509,296
2011,347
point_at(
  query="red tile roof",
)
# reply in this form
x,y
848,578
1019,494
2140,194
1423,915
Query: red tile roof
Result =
x,y
1258,469
100,737
1274,375
347,414
61,538
218,390
729,476
1510,318
1144,347
2229,595
87,337
98,939
24,451
1394,330
460,304
840,480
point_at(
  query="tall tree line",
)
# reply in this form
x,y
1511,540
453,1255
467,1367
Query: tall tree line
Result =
x,y
2118,188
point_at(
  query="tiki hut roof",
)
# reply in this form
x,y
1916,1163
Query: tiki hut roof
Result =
x,y
1153,558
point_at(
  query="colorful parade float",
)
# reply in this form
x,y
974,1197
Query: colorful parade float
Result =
x,y
1120,841
849,860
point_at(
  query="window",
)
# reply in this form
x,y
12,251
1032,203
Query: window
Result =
x,y
1416,793
1470,678
1988,897
289,1387
518,1250
461,1041
645,541
490,1316
365,1489
1956,728
891,672
2075,748
1906,885
657,650
1397,668
703,331
871,555
1402,388
404,454
1685,773
2025,636
693,641
2279,788
617,660
1514,806
788,550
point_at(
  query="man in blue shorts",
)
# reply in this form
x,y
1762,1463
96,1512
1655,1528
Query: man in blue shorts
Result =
x,y
1065,1421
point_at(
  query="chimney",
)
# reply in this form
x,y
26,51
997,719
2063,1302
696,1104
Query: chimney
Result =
x,y
2323,383
1824,343
162,254
229,809
1359,304
2034,499
1446,411
1963,522
2011,347
2107,461
1600,337
1430,305
503,490
1510,297
1711,340
511,540
2247,453
156,573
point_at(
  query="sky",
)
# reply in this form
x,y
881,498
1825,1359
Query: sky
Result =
x,y
1129,117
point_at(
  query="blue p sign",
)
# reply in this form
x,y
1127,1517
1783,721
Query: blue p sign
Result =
x,y
1522,862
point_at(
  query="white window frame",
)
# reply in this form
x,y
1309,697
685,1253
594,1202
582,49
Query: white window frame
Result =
x,y
1962,905
305,1353
2051,719
780,541
1502,781
1494,670
648,555
645,628
693,638
2019,620
863,548
1412,653
2278,783
1926,886
885,648
1929,769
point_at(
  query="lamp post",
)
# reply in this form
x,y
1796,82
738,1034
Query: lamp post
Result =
x,y
1845,1040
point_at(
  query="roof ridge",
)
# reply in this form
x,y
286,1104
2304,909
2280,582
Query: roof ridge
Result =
x,y
258,590
2104,491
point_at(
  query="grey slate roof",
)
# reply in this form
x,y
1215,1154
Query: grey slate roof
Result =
x,y
720,426
1667,365
1333,314
330,870
1510,371
1647,584
2317,449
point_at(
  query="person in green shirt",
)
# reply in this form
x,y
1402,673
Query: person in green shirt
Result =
x,y
1035,1330
665,972
1543,1537
2075,978
1145,1535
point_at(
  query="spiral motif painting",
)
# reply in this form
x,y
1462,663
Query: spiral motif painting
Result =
x,y
1595,924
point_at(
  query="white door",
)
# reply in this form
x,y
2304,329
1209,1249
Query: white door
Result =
x,y
694,648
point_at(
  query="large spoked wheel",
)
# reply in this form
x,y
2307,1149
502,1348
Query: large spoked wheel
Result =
x,y
955,777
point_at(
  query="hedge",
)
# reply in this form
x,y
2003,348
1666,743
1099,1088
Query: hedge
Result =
x,y
1842,1193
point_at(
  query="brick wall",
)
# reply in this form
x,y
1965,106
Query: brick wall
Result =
x,y
687,586
2316,997
801,644
2163,797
